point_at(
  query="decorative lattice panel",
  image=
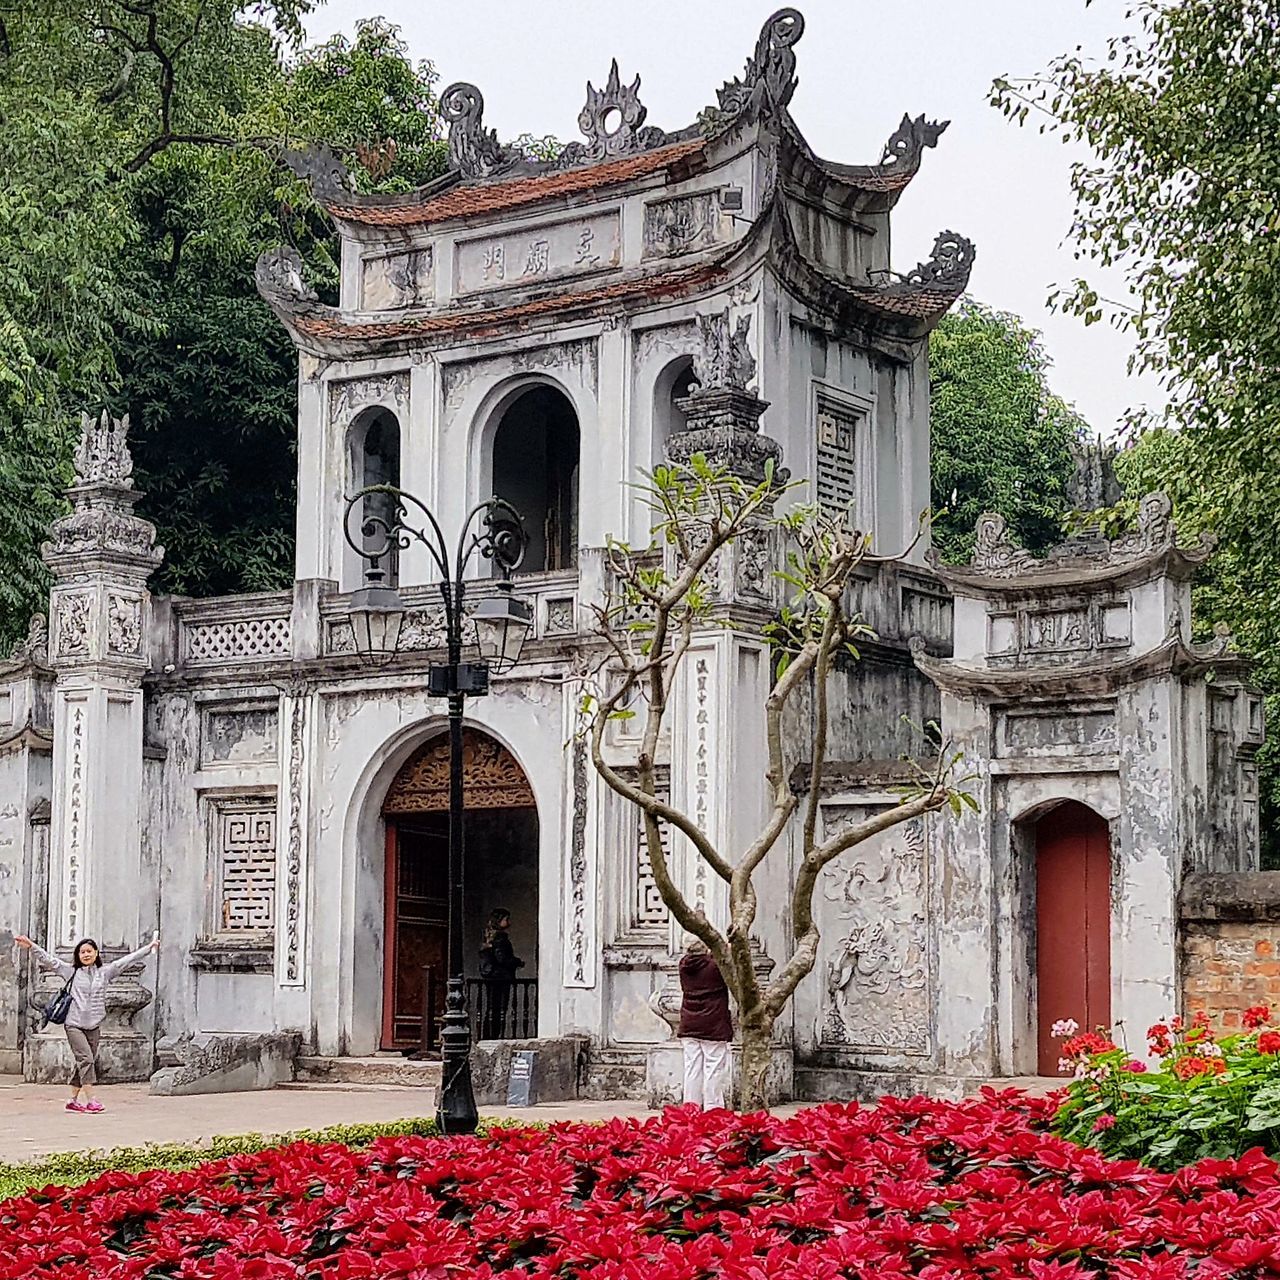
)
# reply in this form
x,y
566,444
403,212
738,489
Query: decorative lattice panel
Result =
x,y
246,638
838,459
648,911
246,835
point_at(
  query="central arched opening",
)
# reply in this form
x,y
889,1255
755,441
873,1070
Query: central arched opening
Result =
x,y
500,872
1073,924
535,468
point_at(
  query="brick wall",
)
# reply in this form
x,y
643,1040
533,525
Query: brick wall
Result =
x,y
1230,944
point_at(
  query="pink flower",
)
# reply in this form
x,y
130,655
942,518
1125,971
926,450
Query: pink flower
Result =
x,y
1135,1066
1064,1027
1104,1121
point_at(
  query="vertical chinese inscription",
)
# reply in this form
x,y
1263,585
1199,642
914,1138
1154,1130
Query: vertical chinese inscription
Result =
x,y
578,868
293,868
75,828
701,771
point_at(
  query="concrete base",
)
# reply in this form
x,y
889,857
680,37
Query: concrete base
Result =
x,y
383,1070
229,1063
664,1075
121,1058
555,1069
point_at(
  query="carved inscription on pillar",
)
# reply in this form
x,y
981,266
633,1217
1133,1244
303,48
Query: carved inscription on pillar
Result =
x,y
538,253
73,886
701,770
577,950
293,865
877,966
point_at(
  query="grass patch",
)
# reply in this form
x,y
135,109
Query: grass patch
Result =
x,y
71,1168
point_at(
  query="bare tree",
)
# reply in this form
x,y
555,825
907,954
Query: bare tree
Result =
x,y
658,600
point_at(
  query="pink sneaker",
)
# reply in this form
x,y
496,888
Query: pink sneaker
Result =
x,y
73,1105
95,1105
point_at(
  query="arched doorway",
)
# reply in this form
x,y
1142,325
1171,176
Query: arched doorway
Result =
x,y
1073,924
535,468
500,870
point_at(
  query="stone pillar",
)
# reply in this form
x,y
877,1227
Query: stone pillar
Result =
x,y
718,760
101,556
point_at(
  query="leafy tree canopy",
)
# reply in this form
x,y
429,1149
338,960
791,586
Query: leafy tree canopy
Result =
x,y
1183,194
1000,437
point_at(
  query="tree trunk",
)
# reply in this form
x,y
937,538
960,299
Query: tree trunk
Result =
x,y
757,1038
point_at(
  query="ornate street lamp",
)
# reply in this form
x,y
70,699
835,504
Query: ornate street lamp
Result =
x,y
502,623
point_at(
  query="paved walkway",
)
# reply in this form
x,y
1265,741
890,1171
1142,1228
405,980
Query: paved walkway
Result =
x,y
33,1122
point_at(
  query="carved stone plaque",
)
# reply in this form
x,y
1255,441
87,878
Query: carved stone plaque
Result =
x,y
538,253
876,962
396,280
684,224
239,735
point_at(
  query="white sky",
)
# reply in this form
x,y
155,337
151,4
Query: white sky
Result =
x,y
861,64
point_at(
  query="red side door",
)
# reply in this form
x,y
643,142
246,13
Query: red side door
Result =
x,y
1073,924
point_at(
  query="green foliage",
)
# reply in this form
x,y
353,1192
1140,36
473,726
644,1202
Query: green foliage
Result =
x,y
1213,1098
1183,195
1000,438
137,202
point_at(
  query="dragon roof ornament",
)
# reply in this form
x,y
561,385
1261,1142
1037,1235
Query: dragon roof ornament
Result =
x,y
769,78
102,456
908,141
723,361
474,151
948,266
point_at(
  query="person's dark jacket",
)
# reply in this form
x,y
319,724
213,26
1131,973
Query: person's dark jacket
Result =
x,y
704,1009
505,960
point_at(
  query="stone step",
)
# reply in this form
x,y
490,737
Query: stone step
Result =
x,y
428,1091
391,1069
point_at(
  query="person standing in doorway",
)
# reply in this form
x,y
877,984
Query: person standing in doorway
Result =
x,y
89,978
706,1027
498,965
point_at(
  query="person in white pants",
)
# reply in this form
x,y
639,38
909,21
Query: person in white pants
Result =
x,y
706,1027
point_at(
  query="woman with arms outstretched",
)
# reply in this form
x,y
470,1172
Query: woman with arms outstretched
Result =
x,y
89,978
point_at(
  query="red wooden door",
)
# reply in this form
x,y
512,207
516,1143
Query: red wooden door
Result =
x,y
1073,924
416,924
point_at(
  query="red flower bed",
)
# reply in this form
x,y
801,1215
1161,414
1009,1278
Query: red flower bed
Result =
x,y
914,1188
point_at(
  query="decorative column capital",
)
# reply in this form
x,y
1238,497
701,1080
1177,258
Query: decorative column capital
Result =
x,y
101,556
723,415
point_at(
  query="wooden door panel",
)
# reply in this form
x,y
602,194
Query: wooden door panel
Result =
x,y
416,924
1073,924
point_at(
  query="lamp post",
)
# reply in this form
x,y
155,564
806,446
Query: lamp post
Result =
x,y
494,531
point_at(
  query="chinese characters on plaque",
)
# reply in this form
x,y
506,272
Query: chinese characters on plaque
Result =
x,y
537,253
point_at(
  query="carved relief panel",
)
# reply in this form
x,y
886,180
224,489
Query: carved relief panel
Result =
x,y
684,224
876,970
395,280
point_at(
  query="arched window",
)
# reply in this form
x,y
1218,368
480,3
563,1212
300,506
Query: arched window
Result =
x,y
535,468
673,384
374,447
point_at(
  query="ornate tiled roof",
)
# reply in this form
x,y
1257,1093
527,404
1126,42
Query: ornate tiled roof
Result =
x,y
486,177
470,199
333,327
